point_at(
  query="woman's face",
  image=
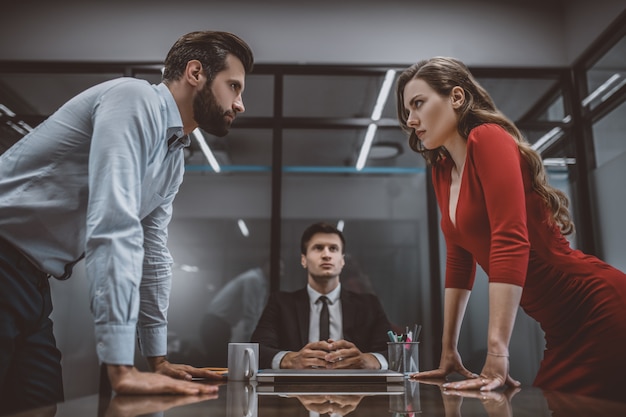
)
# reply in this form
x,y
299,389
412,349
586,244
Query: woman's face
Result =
x,y
431,116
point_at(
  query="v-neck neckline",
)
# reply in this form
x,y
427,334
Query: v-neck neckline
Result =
x,y
454,221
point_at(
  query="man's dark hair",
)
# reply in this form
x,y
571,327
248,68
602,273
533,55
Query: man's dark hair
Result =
x,y
210,48
320,227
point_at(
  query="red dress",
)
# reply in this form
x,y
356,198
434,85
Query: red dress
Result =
x,y
504,226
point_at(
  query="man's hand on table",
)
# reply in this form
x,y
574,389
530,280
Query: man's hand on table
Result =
x,y
127,379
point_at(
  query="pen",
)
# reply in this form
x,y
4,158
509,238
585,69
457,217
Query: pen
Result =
x,y
392,336
416,334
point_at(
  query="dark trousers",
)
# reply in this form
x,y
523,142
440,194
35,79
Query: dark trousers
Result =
x,y
30,363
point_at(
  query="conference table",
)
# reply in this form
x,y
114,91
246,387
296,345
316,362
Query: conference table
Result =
x,y
404,399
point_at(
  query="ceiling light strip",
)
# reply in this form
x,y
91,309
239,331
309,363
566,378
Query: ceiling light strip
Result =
x,y
243,228
603,87
548,139
367,144
612,91
206,150
4,109
383,94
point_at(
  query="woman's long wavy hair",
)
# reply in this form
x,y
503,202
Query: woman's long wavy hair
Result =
x,y
442,75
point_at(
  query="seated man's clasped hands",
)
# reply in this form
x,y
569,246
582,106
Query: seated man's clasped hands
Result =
x,y
330,354
322,325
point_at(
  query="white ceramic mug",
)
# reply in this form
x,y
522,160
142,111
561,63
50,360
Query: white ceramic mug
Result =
x,y
242,361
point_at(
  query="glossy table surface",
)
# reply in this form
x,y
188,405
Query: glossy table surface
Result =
x,y
411,399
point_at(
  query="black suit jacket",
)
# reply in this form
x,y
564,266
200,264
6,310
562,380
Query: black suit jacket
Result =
x,y
284,324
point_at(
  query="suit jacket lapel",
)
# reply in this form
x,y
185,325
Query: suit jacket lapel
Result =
x,y
349,315
302,312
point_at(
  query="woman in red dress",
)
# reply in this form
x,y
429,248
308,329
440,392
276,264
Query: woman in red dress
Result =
x,y
499,211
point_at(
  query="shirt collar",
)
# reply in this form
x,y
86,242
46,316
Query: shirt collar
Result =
x,y
175,143
332,296
176,138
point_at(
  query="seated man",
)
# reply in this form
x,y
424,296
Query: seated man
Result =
x,y
298,330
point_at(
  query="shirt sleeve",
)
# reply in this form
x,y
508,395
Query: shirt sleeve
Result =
x,y
156,282
114,250
497,160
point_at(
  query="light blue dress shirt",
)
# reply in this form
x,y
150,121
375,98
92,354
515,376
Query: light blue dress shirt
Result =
x,y
98,178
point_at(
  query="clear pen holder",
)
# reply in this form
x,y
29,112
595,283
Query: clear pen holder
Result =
x,y
403,357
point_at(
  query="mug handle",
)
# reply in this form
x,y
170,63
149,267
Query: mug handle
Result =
x,y
249,363
250,402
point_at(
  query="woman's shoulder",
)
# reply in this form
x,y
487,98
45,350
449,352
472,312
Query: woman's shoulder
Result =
x,y
490,135
487,130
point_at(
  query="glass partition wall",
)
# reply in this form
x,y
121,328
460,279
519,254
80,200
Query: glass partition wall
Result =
x,y
297,156
600,82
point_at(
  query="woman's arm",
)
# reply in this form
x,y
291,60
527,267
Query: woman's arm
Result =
x,y
455,303
504,300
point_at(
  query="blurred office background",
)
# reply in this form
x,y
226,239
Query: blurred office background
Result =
x,y
555,67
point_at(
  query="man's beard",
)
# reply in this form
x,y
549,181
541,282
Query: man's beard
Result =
x,y
208,114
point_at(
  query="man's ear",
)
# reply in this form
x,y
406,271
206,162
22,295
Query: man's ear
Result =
x,y
193,72
457,95
303,261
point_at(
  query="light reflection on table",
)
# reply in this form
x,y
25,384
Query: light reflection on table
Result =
x,y
415,399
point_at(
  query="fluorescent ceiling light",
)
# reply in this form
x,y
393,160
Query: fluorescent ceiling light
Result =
x,y
376,113
340,225
206,150
243,228
559,162
383,94
548,139
4,109
25,126
20,127
613,90
189,268
367,144
602,88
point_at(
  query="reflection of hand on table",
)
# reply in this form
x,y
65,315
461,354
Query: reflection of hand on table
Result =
x,y
451,403
339,404
135,405
496,403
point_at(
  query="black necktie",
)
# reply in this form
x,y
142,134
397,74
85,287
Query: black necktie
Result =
x,y
324,319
